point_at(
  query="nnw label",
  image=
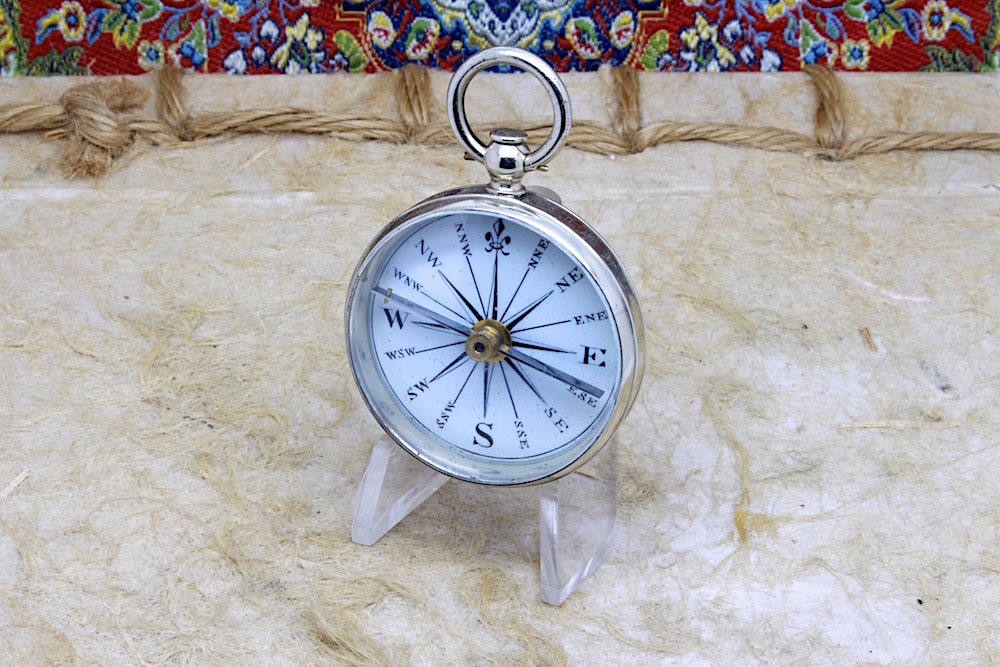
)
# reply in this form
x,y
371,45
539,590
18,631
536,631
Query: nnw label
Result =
x,y
463,239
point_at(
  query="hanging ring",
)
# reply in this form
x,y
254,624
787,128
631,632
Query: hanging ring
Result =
x,y
562,114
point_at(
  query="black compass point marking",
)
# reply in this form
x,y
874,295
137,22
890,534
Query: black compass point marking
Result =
x,y
487,381
450,310
467,378
475,283
514,296
540,326
463,357
496,285
509,392
524,378
439,347
468,304
528,310
543,348
438,327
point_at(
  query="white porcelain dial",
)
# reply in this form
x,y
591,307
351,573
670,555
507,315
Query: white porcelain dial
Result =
x,y
486,338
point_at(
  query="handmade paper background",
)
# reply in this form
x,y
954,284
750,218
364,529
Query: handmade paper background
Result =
x,y
294,36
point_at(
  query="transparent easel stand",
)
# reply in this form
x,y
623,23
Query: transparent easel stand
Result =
x,y
577,517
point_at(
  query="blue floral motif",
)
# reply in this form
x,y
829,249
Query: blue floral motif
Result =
x,y
728,43
501,22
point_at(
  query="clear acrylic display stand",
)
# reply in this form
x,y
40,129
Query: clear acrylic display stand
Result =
x,y
577,516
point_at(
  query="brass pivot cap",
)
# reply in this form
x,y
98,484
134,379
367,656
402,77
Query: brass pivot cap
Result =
x,y
488,341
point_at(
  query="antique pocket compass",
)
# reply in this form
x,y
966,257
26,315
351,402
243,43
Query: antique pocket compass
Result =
x,y
497,339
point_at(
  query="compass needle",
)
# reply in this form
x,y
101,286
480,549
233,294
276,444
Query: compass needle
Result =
x,y
531,385
420,310
540,366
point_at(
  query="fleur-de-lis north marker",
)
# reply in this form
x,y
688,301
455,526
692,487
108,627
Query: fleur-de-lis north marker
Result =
x,y
496,239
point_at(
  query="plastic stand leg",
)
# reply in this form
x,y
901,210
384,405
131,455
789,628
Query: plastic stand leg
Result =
x,y
394,484
578,512
577,523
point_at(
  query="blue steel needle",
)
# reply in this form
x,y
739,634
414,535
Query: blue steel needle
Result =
x,y
516,355
460,327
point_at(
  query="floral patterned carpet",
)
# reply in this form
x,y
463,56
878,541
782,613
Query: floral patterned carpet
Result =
x,y
108,37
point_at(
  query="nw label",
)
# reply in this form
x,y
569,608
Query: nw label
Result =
x,y
426,251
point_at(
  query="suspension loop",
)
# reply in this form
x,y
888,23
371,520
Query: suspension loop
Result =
x,y
507,55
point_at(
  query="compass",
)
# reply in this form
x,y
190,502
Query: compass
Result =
x,y
492,332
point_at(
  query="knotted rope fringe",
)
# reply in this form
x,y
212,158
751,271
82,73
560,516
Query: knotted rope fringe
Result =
x,y
101,123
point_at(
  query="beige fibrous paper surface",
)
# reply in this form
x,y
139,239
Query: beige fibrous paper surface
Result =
x,y
809,475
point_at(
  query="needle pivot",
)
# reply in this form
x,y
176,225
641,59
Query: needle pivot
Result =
x,y
488,341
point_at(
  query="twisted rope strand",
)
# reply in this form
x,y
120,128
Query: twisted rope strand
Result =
x,y
884,142
32,117
301,121
412,91
767,138
830,126
627,119
170,101
101,123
